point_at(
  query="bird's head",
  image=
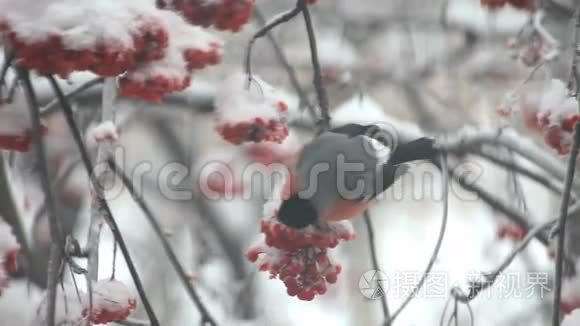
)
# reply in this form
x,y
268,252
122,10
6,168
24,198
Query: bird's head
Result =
x,y
297,212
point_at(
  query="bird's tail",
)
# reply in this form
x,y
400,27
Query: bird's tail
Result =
x,y
419,149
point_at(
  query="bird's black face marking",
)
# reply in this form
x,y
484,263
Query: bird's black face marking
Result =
x,y
297,212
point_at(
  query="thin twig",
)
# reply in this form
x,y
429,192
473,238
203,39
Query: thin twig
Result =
x,y
9,211
318,82
54,104
8,59
280,19
468,139
68,114
375,260
477,287
509,212
445,192
288,67
56,233
205,314
562,225
519,169
102,152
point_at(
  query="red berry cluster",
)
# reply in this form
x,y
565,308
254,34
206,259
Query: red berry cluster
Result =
x,y
257,130
154,88
224,15
199,59
112,302
520,4
511,231
551,112
558,136
154,80
284,237
299,258
53,56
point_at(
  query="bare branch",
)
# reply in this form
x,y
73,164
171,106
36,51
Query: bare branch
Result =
x,y
288,67
53,105
519,169
106,211
445,191
476,288
205,314
56,233
280,19
562,224
318,83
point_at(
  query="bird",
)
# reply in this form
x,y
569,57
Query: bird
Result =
x,y
339,173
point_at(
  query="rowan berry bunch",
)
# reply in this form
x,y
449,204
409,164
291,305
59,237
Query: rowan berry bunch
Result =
x,y
153,51
190,48
112,302
116,38
228,15
250,111
552,112
300,257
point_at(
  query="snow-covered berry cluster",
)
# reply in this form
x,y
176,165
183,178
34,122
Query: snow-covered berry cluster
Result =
x,y
552,112
250,111
112,301
15,125
228,15
529,5
189,48
154,51
300,257
9,249
115,39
